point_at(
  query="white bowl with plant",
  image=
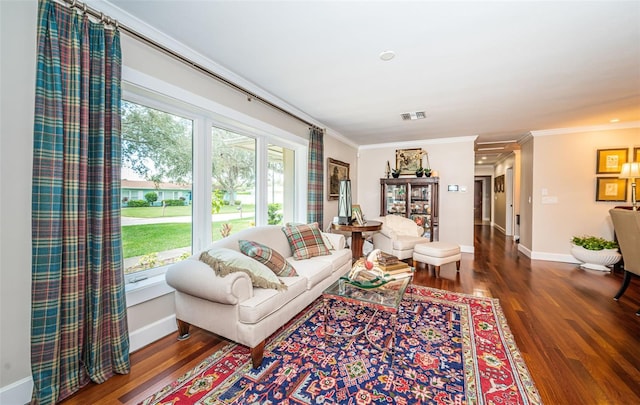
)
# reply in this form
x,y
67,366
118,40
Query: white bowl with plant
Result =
x,y
596,253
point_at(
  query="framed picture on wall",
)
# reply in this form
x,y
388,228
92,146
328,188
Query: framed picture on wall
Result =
x,y
611,189
336,171
611,160
408,160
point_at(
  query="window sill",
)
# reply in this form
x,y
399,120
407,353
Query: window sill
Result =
x,y
146,290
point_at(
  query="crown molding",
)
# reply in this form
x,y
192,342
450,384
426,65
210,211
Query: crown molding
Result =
x,y
607,127
410,144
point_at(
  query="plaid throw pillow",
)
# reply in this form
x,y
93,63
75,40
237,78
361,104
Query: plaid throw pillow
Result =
x,y
305,241
267,256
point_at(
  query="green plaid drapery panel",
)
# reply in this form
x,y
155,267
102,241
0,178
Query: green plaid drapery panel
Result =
x,y
78,328
315,176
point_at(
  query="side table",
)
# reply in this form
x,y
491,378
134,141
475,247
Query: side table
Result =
x,y
356,235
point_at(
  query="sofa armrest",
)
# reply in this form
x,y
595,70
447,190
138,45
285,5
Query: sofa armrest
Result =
x,y
337,240
195,278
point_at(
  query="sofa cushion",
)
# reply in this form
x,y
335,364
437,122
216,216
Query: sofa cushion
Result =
x,y
226,261
265,302
305,241
338,259
314,270
267,256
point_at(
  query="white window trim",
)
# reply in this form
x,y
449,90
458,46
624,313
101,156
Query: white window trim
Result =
x,y
141,88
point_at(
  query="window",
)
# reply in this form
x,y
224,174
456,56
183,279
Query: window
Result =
x,y
191,176
280,185
233,178
156,163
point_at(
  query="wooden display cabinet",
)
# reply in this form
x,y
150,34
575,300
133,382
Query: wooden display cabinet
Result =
x,y
412,197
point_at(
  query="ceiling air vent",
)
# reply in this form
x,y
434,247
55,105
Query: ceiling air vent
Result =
x,y
418,115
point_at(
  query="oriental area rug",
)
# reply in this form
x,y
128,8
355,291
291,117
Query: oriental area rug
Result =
x,y
449,349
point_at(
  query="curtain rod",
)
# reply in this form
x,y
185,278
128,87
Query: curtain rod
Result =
x,y
144,39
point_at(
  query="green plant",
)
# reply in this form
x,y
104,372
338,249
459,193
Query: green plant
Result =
x,y
151,196
137,203
593,242
274,214
148,260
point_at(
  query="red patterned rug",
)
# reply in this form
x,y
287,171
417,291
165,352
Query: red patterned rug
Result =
x,y
449,349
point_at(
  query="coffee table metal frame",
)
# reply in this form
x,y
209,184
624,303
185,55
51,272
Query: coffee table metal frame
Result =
x,y
386,298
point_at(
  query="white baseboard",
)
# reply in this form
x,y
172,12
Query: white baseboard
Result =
x,y
150,333
466,249
549,257
525,250
17,393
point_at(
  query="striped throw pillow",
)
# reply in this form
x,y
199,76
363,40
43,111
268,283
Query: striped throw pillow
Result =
x,y
267,256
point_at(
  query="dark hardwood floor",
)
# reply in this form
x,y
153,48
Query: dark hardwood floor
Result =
x,y
581,346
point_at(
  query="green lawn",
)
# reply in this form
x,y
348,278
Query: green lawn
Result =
x,y
138,240
156,212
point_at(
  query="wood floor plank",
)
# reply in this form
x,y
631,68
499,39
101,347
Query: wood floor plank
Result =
x,y
580,346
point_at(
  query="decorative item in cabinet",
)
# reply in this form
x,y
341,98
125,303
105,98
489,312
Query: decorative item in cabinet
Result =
x,y
414,198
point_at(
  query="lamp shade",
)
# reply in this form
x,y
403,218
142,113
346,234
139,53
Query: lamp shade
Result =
x,y
630,170
344,202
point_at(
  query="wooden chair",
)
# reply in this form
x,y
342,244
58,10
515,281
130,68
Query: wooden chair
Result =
x,y
626,225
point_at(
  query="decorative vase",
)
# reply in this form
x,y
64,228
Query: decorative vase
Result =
x,y
395,175
419,174
596,259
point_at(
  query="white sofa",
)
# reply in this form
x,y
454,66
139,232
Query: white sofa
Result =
x,y
398,236
231,307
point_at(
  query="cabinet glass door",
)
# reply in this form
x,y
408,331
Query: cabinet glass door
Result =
x,y
421,207
396,199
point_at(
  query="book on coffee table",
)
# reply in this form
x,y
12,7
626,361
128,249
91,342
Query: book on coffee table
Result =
x,y
394,267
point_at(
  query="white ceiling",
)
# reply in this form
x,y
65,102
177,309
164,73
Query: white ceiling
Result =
x,y
493,69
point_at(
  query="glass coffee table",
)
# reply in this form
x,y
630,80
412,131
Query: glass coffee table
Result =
x,y
386,298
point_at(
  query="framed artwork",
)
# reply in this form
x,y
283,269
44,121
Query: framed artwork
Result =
x,y
611,189
611,160
336,171
408,160
636,154
356,213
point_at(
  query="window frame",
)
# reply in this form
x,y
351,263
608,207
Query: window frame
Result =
x,y
206,113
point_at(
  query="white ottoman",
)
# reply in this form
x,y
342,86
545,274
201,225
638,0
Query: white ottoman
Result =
x,y
437,254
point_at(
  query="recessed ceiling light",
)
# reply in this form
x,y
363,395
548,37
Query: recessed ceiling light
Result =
x,y
615,120
387,55
484,158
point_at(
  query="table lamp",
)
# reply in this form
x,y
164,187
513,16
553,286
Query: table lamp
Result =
x,y
344,203
631,171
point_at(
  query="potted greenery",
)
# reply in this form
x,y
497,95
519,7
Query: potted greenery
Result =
x,y
395,173
419,172
596,253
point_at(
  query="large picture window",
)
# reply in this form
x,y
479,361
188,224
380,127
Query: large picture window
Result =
x,y
191,176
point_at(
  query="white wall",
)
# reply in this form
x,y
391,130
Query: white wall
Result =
x,y
564,165
17,84
453,159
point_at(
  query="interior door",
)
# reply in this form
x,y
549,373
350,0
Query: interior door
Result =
x,y
477,201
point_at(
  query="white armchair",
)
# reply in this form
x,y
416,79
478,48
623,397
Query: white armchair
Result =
x,y
398,236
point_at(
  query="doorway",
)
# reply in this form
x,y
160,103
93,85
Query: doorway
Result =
x,y
482,200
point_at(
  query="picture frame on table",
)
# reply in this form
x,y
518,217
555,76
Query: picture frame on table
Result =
x,y
609,161
611,189
408,160
357,215
336,171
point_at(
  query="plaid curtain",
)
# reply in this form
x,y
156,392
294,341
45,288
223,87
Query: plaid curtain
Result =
x,y
78,324
315,180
